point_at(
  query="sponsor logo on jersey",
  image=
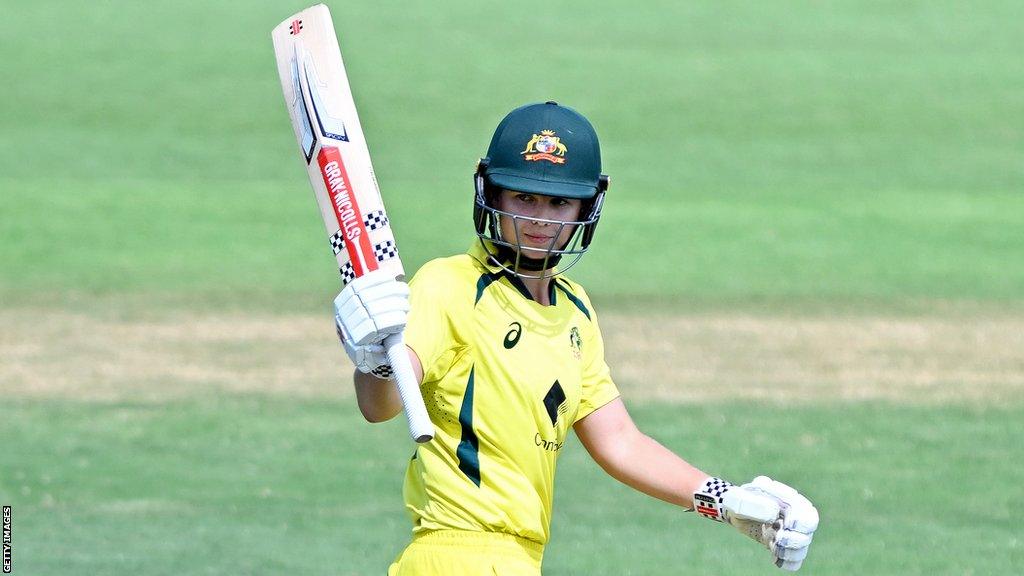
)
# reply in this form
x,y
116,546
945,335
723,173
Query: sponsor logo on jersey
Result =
x,y
556,405
545,146
548,445
515,331
555,402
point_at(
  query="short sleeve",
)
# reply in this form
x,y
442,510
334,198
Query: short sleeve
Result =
x,y
598,387
429,330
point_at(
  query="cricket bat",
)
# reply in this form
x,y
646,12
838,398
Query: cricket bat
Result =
x,y
323,114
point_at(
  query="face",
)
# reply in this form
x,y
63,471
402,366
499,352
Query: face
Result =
x,y
536,233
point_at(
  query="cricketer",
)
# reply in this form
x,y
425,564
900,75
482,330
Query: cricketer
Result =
x,y
509,358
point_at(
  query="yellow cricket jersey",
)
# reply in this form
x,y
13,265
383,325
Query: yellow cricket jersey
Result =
x,y
504,380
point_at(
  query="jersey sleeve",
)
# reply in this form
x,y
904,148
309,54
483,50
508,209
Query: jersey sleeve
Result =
x,y
598,387
429,330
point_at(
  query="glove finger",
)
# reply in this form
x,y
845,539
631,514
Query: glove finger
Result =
x,y
348,305
789,565
783,492
750,505
379,360
370,279
791,545
358,357
384,291
792,555
368,358
801,517
346,300
339,329
390,323
798,512
387,305
365,333
775,488
355,320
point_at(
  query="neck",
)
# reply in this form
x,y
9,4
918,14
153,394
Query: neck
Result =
x,y
540,289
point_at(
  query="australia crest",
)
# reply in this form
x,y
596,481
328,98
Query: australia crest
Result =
x,y
545,146
575,343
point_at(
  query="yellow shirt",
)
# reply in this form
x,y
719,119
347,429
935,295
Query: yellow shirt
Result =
x,y
504,380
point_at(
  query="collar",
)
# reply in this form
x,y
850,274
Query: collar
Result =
x,y
480,254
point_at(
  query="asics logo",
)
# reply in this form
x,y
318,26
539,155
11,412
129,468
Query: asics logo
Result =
x,y
513,335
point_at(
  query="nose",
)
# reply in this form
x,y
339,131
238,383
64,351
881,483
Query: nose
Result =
x,y
544,212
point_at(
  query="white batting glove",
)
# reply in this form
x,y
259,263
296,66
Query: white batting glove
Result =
x,y
368,359
770,512
368,310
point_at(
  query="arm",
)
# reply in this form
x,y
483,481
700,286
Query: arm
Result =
x,y
635,459
769,512
378,399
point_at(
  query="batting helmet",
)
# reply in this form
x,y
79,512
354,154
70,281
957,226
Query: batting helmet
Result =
x,y
544,149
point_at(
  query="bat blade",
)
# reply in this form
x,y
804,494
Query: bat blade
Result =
x,y
330,138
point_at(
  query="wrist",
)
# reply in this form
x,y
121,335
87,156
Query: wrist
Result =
x,y
709,497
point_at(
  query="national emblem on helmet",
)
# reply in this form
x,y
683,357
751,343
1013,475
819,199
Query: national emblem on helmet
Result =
x,y
545,143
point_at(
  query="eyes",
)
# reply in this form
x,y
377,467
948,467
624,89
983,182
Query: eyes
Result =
x,y
533,200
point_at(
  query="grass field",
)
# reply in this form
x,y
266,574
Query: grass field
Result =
x,y
241,485
813,245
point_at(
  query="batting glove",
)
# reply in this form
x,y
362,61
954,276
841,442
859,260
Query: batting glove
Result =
x,y
368,310
368,359
770,512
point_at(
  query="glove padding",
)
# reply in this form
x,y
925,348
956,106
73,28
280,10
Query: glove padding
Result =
x,y
368,359
368,310
770,512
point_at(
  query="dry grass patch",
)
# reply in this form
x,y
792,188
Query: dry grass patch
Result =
x,y
57,354
691,358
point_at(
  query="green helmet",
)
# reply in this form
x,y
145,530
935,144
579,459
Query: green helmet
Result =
x,y
544,149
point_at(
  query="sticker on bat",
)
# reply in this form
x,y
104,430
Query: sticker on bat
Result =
x,y
346,209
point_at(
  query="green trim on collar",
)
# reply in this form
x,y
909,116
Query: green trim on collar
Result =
x,y
572,298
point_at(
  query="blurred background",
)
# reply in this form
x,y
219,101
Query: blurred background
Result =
x,y
810,265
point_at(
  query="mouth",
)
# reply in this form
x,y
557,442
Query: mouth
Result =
x,y
537,239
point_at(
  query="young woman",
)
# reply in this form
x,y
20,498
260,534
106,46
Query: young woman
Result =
x,y
510,357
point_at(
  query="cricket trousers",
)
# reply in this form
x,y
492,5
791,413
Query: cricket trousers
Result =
x,y
462,553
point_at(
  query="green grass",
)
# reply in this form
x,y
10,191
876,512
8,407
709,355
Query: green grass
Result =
x,y
253,485
841,151
830,155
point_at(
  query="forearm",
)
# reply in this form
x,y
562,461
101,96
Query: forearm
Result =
x,y
378,399
645,465
635,459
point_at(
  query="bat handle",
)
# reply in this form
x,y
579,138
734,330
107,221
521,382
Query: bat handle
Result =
x,y
420,427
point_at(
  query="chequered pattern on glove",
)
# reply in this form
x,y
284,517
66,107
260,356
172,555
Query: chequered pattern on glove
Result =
x,y
384,372
716,487
385,250
707,500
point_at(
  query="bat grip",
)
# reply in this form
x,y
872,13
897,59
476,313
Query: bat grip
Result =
x,y
420,427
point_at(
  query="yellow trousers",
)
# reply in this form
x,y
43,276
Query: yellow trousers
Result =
x,y
461,553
